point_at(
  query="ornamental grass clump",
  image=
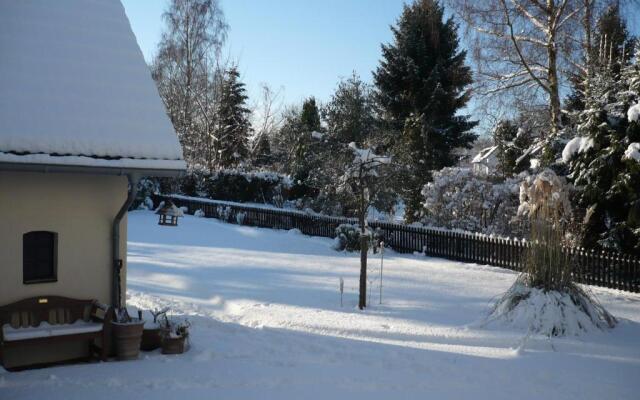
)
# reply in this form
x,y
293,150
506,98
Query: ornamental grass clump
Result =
x,y
544,299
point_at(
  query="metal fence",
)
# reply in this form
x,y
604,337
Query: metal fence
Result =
x,y
606,269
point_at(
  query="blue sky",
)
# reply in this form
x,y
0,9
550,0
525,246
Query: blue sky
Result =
x,y
299,45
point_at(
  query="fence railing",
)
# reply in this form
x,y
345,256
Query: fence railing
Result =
x,y
606,269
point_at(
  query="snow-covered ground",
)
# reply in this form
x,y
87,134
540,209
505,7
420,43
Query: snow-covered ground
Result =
x,y
267,324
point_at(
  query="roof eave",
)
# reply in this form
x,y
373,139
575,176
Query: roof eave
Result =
x,y
81,169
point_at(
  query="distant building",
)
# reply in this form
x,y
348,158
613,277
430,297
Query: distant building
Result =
x,y
485,162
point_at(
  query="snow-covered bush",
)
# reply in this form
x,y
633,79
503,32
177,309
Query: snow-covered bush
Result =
x,y
458,199
347,238
192,182
255,187
240,216
146,189
199,213
224,213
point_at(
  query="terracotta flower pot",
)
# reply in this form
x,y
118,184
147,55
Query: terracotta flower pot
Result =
x,y
128,336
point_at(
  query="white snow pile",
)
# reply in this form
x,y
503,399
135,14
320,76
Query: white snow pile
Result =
x,y
549,313
632,152
578,144
633,114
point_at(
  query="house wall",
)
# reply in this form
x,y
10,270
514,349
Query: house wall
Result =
x,y
81,209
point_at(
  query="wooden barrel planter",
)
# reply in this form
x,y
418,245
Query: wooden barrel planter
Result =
x,y
127,337
151,339
173,344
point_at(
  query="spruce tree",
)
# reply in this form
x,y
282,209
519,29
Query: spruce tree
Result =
x,y
422,83
607,183
612,45
350,112
233,126
308,122
511,142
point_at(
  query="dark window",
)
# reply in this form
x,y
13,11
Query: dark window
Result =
x,y
39,254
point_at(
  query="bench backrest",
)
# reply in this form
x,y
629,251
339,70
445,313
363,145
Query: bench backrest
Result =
x,y
51,309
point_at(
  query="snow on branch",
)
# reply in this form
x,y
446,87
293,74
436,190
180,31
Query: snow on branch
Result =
x,y
367,157
632,152
578,144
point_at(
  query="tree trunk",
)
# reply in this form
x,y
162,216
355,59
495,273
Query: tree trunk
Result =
x,y
552,75
362,301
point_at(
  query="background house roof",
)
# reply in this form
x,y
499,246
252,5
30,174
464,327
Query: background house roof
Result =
x,y
75,89
484,154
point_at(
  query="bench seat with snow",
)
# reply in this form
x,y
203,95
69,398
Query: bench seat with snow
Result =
x,y
50,320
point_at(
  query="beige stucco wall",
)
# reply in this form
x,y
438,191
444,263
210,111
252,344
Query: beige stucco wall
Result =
x,y
81,209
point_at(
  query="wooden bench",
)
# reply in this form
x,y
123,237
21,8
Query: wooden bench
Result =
x,y
47,320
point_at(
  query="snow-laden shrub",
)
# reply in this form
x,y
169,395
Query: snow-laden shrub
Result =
x,y
240,216
247,187
199,213
192,182
348,237
146,189
224,213
458,199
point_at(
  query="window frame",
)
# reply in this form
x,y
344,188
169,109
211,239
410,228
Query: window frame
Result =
x,y
54,267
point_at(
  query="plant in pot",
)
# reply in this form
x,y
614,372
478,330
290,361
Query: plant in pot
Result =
x,y
174,336
127,333
153,330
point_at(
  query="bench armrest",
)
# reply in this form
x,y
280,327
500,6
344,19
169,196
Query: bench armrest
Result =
x,y
102,313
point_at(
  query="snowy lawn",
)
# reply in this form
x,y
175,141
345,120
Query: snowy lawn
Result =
x,y
267,324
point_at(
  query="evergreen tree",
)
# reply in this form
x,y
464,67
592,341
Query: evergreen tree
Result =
x,y
309,121
310,116
511,142
261,153
612,45
233,125
607,182
421,85
350,112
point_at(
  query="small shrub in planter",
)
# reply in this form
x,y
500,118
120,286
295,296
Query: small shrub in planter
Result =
x,y
175,336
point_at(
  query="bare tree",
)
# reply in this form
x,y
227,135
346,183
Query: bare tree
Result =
x,y
524,48
267,117
195,31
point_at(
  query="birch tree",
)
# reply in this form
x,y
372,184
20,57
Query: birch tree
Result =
x,y
525,47
184,69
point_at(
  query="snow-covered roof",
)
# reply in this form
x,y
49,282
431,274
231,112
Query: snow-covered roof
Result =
x,y
77,91
484,154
